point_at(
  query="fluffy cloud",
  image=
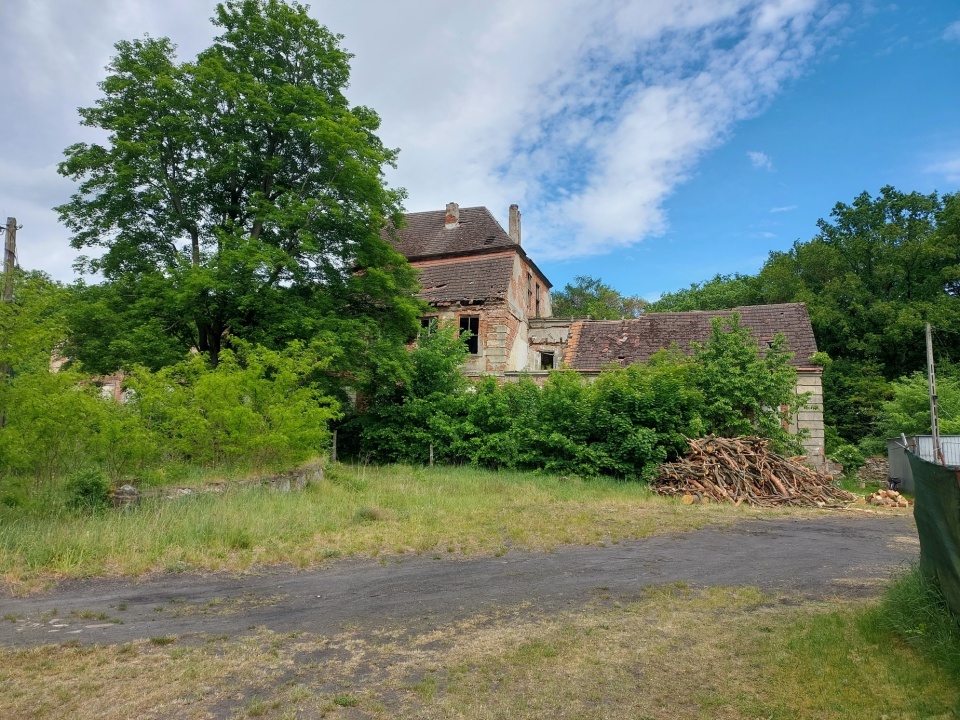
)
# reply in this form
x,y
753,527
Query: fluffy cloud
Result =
x,y
760,160
589,114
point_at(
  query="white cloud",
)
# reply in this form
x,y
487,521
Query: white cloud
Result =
x,y
947,168
783,208
952,33
587,113
760,160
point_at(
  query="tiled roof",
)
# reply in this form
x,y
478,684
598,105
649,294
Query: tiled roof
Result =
x,y
474,279
594,344
424,234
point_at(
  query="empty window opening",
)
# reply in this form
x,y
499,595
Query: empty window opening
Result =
x,y
471,324
538,300
546,361
428,324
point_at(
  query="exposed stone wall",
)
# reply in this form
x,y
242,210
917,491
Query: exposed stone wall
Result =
x,y
548,335
502,337
500,334
810,417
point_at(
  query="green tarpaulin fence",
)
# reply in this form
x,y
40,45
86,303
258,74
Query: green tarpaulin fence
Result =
x,y
937,512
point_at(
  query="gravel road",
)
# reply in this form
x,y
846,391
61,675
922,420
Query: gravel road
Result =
x,y
839,555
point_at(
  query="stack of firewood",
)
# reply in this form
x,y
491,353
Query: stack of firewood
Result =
x,y
888,498
746,470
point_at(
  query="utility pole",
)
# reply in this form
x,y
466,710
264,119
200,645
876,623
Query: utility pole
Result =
x,y
9,259
932,382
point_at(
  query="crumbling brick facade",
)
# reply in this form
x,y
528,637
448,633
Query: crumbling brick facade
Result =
x,y
477,276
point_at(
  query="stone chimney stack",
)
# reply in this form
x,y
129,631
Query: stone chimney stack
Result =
x,y
515,224
453,216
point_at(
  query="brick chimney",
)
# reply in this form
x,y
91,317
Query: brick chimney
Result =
x,y
452,219
515,224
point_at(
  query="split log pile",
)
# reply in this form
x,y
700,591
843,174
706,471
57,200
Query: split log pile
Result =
x,y
745,470
888,498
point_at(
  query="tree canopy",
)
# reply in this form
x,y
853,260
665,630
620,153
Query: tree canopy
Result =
x,y
878,269
242,188
590,296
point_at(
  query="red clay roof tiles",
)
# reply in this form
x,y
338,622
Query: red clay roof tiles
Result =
x,y
424,234
594,344
472,279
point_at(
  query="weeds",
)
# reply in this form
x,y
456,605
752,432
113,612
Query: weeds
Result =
x,y
363,510
913,607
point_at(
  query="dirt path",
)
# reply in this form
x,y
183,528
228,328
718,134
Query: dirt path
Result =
x,y
837,555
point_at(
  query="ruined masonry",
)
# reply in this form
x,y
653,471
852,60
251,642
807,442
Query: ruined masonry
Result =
x,y
477,276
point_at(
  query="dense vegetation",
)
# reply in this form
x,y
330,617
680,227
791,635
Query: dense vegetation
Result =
x,y
624,424
238,195
588,296
256,408
238,208
875,273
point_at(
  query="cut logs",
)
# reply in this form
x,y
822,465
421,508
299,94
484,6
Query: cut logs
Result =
x,y
746,470
888,498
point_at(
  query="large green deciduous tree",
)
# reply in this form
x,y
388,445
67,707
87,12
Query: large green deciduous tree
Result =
x,y
722,292
591,296
243,188
876,272
878,269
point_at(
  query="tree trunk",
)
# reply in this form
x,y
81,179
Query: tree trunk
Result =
x,y
210,340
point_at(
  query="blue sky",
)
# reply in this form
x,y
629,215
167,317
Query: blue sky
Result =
x,y
652,144
880,106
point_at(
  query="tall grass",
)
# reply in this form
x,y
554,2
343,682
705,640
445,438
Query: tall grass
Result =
x,y
914,608
353,511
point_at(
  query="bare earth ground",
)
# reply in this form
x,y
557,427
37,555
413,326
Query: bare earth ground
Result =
x,y
842,555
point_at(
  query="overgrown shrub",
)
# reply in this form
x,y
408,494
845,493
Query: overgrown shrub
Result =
x,y
257,406
849,456
87,489
623,424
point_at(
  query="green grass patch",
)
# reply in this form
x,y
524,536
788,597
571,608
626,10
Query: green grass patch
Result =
x,y
355,510
670,652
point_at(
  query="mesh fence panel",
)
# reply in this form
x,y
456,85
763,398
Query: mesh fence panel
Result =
x,y
937,512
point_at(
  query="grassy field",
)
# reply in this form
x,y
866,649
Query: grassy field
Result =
x,y
671,652
355,510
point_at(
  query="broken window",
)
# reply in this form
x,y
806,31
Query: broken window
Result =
x,y
428,324
470,332
546,361
538,300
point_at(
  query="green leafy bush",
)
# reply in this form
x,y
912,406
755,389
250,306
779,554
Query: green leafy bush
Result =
x,y
257,406
849,456
623,424
87,490
908,410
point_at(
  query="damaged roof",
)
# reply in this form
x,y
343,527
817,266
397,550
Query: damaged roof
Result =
x,y
594,344
468,280
424,234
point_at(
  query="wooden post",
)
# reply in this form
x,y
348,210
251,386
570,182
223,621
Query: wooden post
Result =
x,y
934,419
9,259
333,450
431,454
